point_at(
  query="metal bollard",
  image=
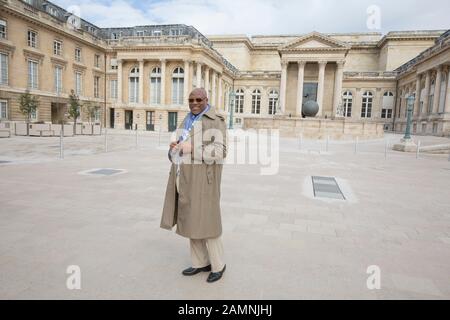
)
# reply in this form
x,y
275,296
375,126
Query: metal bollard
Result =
x,y
386,143
418,149
61,144
106,139
356,144
136,138
328,141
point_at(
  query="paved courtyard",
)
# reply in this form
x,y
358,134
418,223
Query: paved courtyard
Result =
x,y
280,241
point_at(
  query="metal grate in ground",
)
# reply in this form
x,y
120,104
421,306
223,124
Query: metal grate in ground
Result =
x,y
326,187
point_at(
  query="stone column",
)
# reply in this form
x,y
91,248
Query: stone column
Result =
x,y
426,93
141,81
447,99
320,89
186,82
191,76
284,65
338,86
207,81
199,75
219,100
119,81
300,79
417,98
163,81
213,89
437,90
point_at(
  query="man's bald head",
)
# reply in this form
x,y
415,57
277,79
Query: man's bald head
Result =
x,y
198,100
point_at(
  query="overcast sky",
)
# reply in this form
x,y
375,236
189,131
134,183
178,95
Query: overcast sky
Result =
x,y
270,17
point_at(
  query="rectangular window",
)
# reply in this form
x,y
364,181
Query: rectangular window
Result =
x,y
32,39
58,79
3,68
113,89
2,29
114,65
57,47
386,113
32,74
157,33
78,83
155,90
78,54
97,115
3,109
33,114
96,87
139,33
134,89
97,61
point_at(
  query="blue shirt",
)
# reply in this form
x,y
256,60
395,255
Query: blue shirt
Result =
x,y
190,119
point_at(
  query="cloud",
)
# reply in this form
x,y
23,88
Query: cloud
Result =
x,y
266,16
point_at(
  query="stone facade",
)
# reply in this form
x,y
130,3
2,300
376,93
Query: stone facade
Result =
x,y
140,77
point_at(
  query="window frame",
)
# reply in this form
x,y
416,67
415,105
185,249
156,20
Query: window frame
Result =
x,y
274,97
5,110
178,84
33,78
239,102
3,28
57,51
4,76
366,106
32,38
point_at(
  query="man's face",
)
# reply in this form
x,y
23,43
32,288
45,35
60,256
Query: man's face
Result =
x,y
197,102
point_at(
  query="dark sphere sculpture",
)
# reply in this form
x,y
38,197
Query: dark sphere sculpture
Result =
x,y
310,108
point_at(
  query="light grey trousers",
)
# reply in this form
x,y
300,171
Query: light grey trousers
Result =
x,y
207,251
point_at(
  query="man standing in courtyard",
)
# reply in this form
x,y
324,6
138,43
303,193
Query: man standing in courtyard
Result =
x,y
192,200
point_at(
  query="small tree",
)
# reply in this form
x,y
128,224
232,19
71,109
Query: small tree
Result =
x,y
91,112
74,109
28,105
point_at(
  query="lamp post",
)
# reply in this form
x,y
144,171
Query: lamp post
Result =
x,y
232,100
406,143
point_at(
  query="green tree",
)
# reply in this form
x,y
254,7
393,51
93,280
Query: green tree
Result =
x,y
74,109
28,105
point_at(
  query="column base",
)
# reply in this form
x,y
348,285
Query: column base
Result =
x,y
405,145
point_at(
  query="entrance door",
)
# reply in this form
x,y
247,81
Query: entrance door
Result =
x,y
111,118
151,120
172,121
128,119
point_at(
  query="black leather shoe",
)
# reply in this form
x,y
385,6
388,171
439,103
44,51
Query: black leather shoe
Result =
x,y
214,276
191,271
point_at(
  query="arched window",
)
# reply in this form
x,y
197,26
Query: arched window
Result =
x,y
388,105
133,91
177,86
239,101
366,108
256,101
155,86
347,99
273,101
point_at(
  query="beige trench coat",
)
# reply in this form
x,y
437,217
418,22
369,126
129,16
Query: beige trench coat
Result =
x,y
195,208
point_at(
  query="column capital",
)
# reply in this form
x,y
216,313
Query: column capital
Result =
x,y
322,63
163,60
301,63
284,63
140,60
340,63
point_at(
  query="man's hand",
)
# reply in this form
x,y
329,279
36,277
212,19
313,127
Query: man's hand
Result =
x,y
173,144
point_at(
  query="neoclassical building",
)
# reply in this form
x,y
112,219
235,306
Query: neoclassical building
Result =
x,y
140,77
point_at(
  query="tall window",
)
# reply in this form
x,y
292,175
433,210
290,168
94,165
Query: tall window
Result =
x,y
273,101
256,101
3,109
113,89
442,93
32,38
177,86
3,68
78,83
78,54
134,85
57,47
96,87
239,101
32,74
97,115
366,109
97,61
155,86
388,105
58,79
2,29
347,99
431,97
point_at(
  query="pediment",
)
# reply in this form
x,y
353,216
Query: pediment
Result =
x,y
314,41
